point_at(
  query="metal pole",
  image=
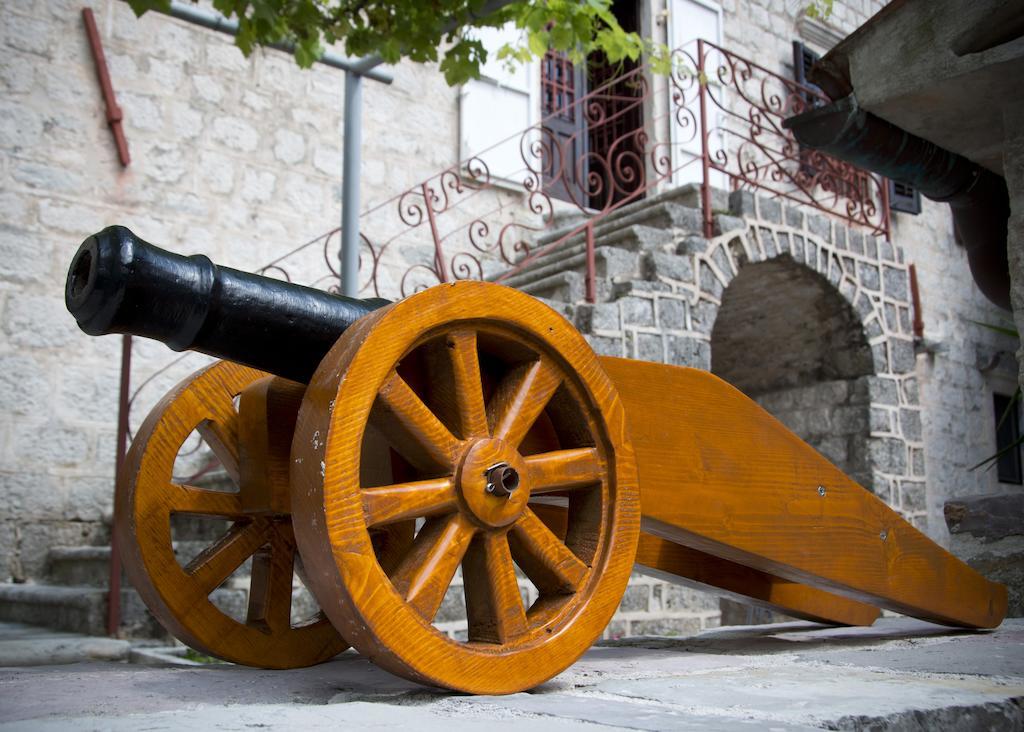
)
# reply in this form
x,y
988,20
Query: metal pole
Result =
x,y
705,155
350,184
591,290
124,406
217,22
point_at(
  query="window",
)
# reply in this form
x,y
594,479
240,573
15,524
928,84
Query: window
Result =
x,y
1007,416
803,59
904,197
816,168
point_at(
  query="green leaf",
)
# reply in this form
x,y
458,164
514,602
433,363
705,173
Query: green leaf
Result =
x,y
139,7
990,461
539,43
1004,329
561,37
416,30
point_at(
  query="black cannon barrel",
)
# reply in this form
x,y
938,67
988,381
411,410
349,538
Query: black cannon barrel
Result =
x,y
119,283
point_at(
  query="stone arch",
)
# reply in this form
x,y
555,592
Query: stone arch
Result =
x,y
791,340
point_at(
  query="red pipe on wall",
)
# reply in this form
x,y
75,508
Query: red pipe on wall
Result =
x,y
114,114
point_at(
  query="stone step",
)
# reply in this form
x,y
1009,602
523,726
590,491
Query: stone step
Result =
x,y
89,566
83,566
30,645
686,196
83,609
666,215
567,287
610,262
653,227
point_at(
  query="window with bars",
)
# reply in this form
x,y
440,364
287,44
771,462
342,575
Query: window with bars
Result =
x,y
803,59
1008,457
904,197
816,168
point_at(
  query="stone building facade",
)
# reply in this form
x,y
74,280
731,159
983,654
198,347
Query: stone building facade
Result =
x,y
240,160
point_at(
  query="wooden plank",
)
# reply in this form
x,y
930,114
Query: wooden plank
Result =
x,y
721,475
682,565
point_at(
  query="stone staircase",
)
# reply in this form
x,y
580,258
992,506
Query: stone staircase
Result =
x,y
654,290
72,596
630,244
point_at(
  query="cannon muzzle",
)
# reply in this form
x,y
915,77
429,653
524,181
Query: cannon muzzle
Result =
x,y
119,283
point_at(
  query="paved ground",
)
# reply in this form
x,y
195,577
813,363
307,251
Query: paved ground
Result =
x,y
898,675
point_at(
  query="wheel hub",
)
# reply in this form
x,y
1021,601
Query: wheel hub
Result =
x,y
492,483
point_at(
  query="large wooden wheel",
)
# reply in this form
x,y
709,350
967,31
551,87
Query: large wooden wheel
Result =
x,y
487,401
148,497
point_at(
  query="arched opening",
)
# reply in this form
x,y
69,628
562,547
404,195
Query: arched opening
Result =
x,y
787,338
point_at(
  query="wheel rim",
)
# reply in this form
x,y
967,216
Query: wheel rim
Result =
x,y
178,595
486,412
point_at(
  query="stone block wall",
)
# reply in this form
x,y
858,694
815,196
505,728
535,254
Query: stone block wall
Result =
x,y
960,364
238,159
670,316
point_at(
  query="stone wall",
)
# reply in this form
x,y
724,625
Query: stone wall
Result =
x,y
238,159
960,364
856,291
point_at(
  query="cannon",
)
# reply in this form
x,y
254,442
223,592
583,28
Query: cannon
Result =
x,y
381,446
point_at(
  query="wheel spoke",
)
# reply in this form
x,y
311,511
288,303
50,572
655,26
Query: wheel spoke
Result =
x,y
390,503
562,470
187,499
215,564
520,399
424,574
412,429
270,591
545,559
469,393
494,605
221,434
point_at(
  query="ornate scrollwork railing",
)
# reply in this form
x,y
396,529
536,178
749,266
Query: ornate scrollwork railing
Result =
x,y
722,117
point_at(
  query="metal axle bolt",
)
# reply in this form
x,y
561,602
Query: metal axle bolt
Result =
x,y
502,479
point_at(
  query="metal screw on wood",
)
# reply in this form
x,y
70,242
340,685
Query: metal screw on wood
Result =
x,y
821,490
502,480
883,535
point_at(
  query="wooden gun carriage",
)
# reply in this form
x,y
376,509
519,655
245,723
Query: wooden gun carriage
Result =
x,y
384,445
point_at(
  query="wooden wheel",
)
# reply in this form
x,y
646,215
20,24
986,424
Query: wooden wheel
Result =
x,y
149,496
488,402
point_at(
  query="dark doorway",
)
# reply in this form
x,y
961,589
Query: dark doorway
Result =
x,y
593,151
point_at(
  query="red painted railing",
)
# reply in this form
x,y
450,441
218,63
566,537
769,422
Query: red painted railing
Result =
x,y
722,126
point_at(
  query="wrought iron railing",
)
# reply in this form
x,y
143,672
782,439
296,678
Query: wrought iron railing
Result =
x,y
724,117
723,124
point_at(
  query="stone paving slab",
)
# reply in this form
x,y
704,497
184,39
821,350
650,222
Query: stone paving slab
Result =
x,y
25,645
897,675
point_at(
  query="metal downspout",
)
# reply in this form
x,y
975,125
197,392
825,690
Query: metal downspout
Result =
x,y
977,197
350,180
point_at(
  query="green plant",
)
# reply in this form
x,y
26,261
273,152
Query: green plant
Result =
x,y
429,30
192,654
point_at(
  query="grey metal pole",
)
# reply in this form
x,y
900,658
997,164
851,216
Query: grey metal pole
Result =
x,y
350,184
217,22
